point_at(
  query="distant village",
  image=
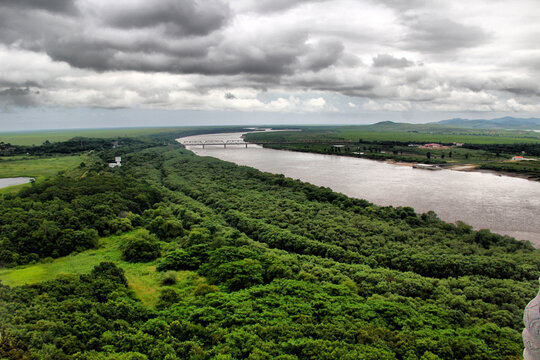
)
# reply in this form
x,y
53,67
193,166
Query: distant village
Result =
x,y
436,146
455,144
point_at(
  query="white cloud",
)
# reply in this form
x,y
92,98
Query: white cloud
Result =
x,y
281,56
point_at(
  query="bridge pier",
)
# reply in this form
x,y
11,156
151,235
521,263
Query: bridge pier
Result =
x,y
224,146
246,145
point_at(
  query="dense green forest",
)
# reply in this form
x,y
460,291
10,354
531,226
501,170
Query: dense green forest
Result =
x,y
287,270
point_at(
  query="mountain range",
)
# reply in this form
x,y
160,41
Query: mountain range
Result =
x,y
507,122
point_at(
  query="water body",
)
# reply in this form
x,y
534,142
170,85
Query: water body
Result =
x,y
503,204
5,182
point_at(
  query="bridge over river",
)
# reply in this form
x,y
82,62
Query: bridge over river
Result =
x,y
225,142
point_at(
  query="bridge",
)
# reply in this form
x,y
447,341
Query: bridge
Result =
x,y
224,143
204,143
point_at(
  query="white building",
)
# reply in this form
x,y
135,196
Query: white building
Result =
x,y
117,162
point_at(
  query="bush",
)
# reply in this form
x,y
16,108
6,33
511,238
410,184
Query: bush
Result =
x,y
239,274
141,247
178,260
167,297
203,289
169,278
166,229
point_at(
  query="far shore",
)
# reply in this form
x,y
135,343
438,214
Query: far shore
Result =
x,y
470,167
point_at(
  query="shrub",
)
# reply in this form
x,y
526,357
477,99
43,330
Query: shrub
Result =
x,y
167,297
169,278
178,260
141,247
238,275
166,229
203,289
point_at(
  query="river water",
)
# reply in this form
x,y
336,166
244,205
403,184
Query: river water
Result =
x,y
503,204
5,182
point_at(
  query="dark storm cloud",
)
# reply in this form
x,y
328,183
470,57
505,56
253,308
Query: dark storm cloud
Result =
x,y
62,6
386,60
179,17
433,34
174,53
142,54
259,56
401,5
323,55
265,6
523,86
183,37
20,97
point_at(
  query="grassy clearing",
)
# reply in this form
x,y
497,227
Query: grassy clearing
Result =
x,y
38,167
142,277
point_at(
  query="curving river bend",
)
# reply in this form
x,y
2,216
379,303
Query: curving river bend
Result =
x,y
503,204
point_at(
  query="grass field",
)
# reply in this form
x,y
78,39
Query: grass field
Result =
x,y
403,133
38,168
142,277
38,137
495,137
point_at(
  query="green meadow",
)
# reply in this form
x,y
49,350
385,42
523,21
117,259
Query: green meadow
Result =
x,y
414,133
38,167
142,277
483,137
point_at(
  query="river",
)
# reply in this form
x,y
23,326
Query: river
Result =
x,y
505,205
6,182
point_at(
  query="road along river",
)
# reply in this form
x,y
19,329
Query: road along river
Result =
x,y
505,205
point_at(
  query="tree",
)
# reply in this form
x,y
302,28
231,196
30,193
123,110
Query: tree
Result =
x,y
178,260
141,247
241,274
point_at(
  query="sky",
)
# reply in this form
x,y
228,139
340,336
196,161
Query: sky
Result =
x,y
102,63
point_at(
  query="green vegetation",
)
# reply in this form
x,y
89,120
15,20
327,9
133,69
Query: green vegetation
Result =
x,y
141,248
400,132
252,265
142,278
529,168
38,167
29,138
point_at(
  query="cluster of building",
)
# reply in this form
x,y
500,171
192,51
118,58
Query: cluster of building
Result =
x,y
520,158
436,146
117,162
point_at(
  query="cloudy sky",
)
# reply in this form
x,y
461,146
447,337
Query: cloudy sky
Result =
x,y
96,63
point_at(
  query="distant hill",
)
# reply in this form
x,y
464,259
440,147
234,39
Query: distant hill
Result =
x,y
507,122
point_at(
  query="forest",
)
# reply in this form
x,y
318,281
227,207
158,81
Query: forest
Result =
x,y
279,269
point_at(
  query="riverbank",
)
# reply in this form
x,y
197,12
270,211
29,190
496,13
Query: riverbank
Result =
x,y
404,144
471,168
448,166
502,204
